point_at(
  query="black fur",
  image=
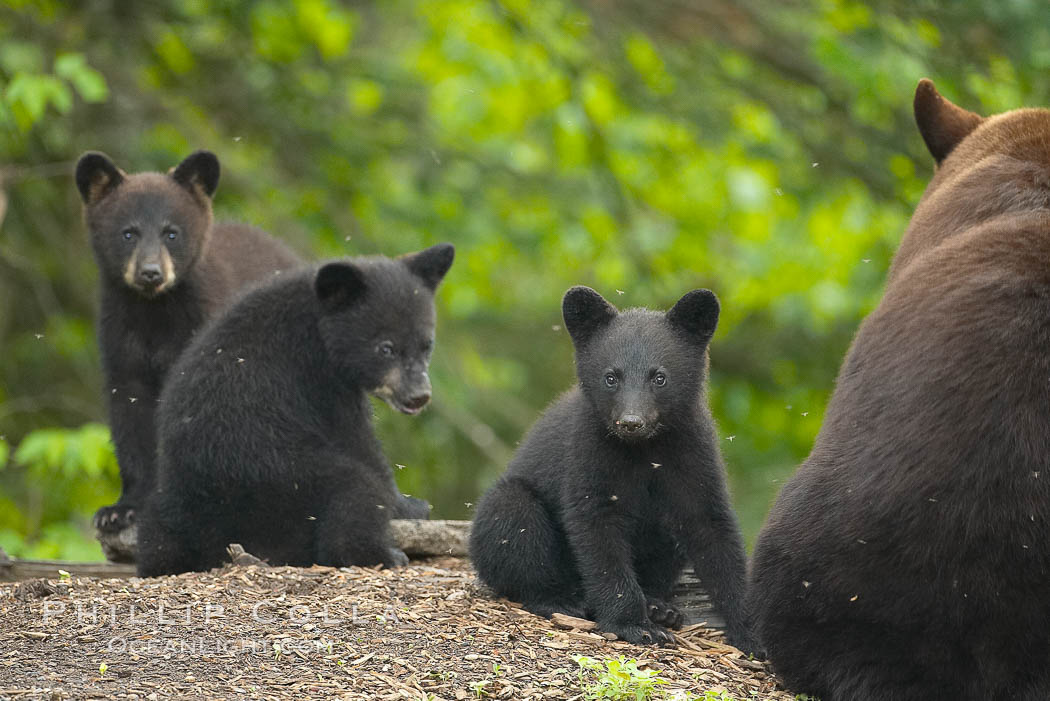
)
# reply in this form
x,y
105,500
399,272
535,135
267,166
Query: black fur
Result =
x,y
621,480
265,426
165,270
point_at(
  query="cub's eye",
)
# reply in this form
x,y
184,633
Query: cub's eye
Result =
x,y
386,348
660,379
171,233
128,234
610,380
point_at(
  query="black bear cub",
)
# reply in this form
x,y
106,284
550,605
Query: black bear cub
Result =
x,y
621,481
165,270
265,427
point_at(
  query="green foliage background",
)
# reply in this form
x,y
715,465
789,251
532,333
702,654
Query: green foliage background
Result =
x,y
643,147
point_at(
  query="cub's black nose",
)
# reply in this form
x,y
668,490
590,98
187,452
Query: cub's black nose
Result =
x,y
149,274
631,423
419,401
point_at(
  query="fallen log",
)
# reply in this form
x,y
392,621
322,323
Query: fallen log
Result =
x,y
418,538
15,569
431,538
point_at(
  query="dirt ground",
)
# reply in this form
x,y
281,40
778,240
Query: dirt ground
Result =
x,y
423,632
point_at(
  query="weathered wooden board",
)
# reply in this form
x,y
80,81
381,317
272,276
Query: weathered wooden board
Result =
x,y
13,569
694,603
431,538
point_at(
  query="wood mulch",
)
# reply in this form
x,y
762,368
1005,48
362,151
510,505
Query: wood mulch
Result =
x,y
428,631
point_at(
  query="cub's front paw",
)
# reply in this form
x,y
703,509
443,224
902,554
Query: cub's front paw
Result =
x,y
663,613
395,558
644,634
114,518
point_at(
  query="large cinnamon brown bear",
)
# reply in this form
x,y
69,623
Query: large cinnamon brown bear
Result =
x,y
909,557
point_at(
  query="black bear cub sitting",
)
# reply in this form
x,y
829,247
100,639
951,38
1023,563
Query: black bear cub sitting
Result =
x,y
165,270
620,481
265,428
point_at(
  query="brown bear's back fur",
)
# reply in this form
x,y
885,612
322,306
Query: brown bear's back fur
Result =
x,y
909,556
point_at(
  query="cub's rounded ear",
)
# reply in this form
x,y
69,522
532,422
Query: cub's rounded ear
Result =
x,y
96,176
338,285
586,313
199,171
942,124
431,264
696,313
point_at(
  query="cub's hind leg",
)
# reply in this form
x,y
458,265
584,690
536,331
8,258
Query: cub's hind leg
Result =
x,y
520,550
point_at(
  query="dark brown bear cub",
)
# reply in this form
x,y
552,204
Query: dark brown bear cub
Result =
x,y
165,270
621,480
909,557
265,426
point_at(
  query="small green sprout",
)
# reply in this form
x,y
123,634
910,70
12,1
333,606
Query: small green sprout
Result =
x,y
617,679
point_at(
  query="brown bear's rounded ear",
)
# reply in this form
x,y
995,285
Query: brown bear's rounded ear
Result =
x,y
198,171
339,284
696,313
942,124
586,313
96,176
431,264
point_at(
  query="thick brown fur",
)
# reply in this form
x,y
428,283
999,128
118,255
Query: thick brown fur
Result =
x,y
165,269
909,557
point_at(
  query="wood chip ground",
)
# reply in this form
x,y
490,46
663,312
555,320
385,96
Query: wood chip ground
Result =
x,y
427,631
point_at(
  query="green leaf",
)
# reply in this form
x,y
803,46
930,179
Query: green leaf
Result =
x,y
68,65
91,85
29,95
73,453
174,52
26,95
364,96
34,448
330,27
